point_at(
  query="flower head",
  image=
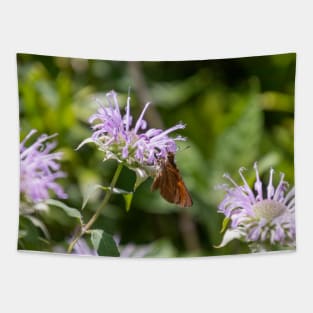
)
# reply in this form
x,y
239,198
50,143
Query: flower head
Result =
x,y
257,217
39,169
131,143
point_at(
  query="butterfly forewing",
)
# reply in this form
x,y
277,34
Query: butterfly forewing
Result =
x,y
171,185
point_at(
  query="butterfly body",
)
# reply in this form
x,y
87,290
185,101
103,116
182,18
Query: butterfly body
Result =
x,y
170,183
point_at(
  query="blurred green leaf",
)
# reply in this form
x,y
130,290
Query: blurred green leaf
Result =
x,y
238,144
68,210
162,249
38,223
170,94
30,236
275,101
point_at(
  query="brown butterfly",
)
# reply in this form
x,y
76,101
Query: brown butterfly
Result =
x,y
171,185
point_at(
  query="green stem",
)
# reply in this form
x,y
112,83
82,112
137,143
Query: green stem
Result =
x,y
99,210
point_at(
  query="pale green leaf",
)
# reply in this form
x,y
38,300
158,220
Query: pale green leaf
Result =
x,y
230,235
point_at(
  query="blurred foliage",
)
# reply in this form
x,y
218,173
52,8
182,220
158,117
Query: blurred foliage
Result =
x,y
237,111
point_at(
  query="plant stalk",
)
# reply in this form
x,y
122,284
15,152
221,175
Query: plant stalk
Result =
x,y
100,209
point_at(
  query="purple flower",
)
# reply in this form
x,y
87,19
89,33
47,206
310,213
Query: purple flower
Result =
x,y
82,248
257,217
134,145
132,250
39,169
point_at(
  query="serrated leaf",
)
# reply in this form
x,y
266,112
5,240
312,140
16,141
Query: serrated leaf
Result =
x,y
103,243
72,212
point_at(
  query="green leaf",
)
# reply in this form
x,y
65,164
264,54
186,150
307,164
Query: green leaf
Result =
x,y
68,210
127,195
38,223
91,191
225,224
276,101
104,243
30,236
141,176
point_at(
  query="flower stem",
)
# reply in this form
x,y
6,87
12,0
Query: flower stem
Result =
x,y
99,210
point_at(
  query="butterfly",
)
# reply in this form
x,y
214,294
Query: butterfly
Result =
x,y
171,185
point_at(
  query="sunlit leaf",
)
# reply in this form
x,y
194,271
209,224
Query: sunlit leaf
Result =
x,y
103,243
275,101
225,224
128,197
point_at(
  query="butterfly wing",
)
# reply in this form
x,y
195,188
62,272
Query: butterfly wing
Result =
x,y
183,197
172,188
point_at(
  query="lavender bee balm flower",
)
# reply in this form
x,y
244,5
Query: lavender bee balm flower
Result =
x,y
134,145
259,219
39,168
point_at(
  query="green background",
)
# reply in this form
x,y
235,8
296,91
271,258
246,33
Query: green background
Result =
x,y
236,111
